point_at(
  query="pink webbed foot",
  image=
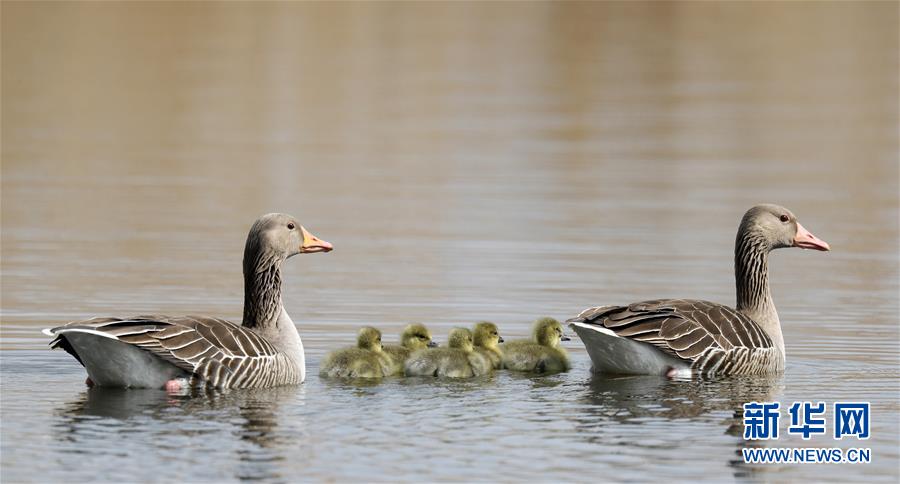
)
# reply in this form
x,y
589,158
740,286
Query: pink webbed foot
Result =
x,y
173,386
89,382
678,373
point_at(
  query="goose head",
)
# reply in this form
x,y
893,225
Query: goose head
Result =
x,y
461,338
487,335
279,236
416,337
369,338
548,332
272,239
776,227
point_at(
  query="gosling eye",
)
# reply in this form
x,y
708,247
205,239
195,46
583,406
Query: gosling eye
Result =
x,y
290,226
784,218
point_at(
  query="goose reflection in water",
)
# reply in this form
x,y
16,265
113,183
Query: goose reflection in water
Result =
x,y
613,403
189,419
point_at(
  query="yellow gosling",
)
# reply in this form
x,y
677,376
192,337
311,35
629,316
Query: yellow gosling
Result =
x,y
459,360
542,354
487,343
414,337
366,360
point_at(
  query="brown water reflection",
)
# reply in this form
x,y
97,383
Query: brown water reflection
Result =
x,y
469,161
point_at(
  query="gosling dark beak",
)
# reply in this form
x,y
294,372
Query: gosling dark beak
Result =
x,y
313,244
805,240
501,339
565,338
432,344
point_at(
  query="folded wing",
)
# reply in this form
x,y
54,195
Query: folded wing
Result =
x,y
713,338
213,351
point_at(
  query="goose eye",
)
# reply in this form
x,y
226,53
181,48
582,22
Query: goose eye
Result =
x,y
784,218
290,226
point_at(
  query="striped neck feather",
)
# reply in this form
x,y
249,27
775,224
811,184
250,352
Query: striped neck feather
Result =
x,y
751,276
262,291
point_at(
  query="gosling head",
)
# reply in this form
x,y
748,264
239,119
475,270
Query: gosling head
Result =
x,y
369,338
487,335
461,338
775,227
279,236
548,332
416,337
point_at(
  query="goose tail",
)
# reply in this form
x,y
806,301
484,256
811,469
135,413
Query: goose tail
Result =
x,y
111,362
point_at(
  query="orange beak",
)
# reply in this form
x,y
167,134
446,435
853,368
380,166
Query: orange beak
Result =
x,y
313,244
805,240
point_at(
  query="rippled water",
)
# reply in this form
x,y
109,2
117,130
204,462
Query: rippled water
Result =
x,y
470,161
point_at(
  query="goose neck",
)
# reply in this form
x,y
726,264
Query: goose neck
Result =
x,y
751,274
262,291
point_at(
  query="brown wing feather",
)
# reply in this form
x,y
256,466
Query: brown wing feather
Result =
x,y
713,337
213,350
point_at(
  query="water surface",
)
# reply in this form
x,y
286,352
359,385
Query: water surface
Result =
x,y
468,162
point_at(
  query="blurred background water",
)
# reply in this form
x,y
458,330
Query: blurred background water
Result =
x,y
469,161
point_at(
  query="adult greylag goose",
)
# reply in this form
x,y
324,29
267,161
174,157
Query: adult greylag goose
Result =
x,y
178,352
684,336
